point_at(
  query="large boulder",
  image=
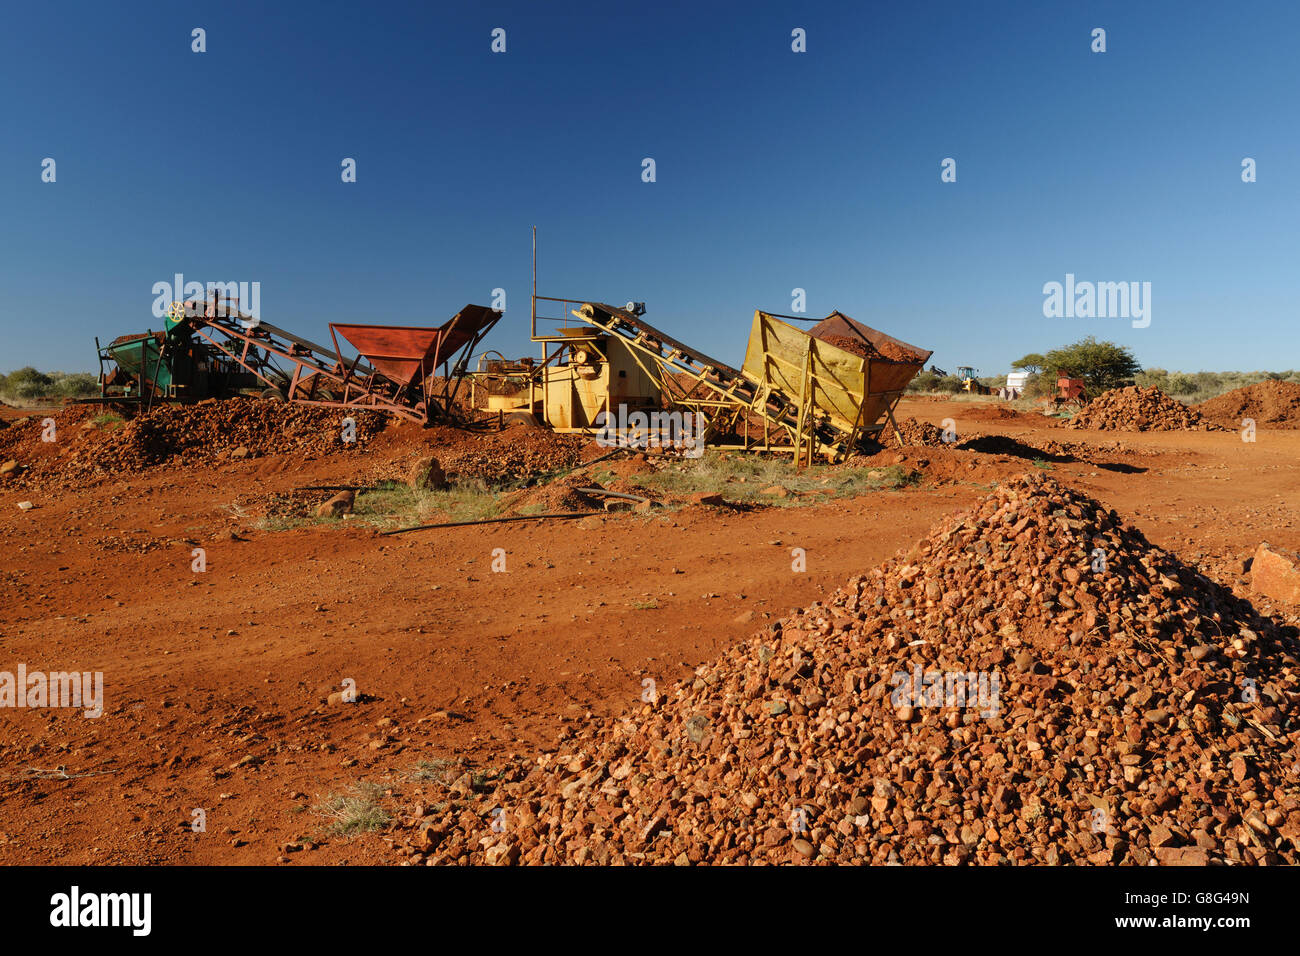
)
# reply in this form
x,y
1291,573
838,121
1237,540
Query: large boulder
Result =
x,y
337,506
427,475
1275,573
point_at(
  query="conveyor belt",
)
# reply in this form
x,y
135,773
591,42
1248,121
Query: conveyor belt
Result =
x,y
613,319
325,358
731,385
394,379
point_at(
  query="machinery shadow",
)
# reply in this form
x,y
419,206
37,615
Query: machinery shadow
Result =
x,y
1003,445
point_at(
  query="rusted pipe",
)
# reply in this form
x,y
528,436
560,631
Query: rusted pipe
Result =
x,y
610,494
461,524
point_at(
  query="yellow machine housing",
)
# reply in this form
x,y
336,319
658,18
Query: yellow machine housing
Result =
x,y
816,392
597,373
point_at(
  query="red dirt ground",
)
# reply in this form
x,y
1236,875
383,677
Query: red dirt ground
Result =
x,y
216,682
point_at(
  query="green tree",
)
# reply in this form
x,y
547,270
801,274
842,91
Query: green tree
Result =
x,y
27,382
1032,363
1153,376
925,381
1101,365
1037,386
1208,382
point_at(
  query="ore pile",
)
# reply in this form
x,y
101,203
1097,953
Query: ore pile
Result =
x,y
860,347
1270,404
850,344
979,412
896,353
915,433
1136,409
519,452
1140,714
561,496
206,432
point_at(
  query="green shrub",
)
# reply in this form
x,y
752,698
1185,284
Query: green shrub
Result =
x,y
1101,365
925,381
28,383
76,385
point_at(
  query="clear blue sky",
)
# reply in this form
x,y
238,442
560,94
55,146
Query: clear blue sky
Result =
x,y
775,170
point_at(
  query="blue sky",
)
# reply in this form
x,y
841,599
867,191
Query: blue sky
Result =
x,y
775,170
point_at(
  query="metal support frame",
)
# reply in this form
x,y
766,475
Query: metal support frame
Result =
x,y
320,376
727,400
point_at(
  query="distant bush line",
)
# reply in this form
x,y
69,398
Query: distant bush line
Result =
x,y
29,385
1189,387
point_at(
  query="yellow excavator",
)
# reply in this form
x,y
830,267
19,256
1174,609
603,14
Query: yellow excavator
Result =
x,y
969,383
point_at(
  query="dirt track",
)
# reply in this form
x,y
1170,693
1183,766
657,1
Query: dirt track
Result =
x,y
215,683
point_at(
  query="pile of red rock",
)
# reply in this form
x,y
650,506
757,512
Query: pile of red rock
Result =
x,y
856,345
521,451
561,496
85,447
915,434
1033,682
851,344
1137,409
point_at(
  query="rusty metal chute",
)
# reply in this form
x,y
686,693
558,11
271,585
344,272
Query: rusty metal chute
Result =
x,y
407,354
396,352
843,377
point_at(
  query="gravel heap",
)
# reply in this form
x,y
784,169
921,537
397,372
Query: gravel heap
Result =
x,y
1135,711
556,497
1271,404
851,344
90,447
1136,409
519,452
915,433
855,345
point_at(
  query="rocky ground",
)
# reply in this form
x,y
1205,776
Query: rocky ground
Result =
x,y
218,683
1117,707
84,445
916,434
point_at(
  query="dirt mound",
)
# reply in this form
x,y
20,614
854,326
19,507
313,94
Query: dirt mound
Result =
x,y
1033,682
1136,409
1271,404
991,413
630,465
88,445
915,433
519,452
556,497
